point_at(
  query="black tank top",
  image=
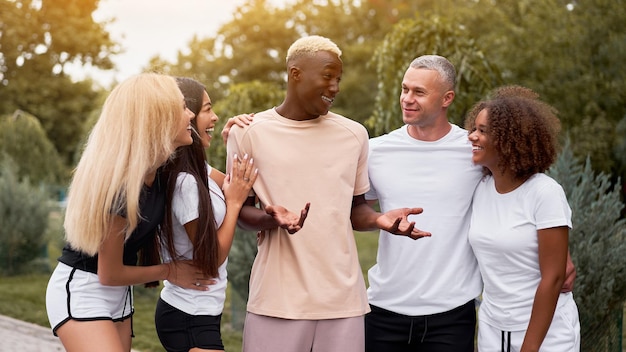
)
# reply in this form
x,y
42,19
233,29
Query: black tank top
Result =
x,y
152,210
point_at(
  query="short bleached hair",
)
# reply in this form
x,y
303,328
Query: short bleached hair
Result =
x,y
310,45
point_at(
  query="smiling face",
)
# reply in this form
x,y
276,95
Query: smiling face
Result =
x,y
205,121
318,76
424,97
483,151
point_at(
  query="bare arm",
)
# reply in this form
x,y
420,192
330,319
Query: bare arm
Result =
x,y
273,216
236,188
552,259
113,272
365,218
217,176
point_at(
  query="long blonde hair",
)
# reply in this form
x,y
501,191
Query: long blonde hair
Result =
x,y
134,135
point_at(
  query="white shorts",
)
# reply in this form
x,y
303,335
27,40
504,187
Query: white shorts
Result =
x,y
563,334
78,295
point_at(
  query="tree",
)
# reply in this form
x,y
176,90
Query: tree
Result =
x,y
38,40
598,249
24,141
571,53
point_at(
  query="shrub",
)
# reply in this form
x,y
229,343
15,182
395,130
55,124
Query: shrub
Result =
x,y
23,221
598,249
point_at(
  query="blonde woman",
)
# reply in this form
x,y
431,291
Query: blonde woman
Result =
x,y
116,202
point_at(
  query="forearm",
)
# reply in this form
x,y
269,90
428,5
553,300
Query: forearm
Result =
x,y
544,306
126,275
254,219
226,232
364,217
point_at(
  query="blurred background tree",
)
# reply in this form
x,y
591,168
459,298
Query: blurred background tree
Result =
x,y
38,40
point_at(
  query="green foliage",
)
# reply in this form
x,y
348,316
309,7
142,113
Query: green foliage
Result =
x,y
597,246
38,39
244,98
429,35
23,220
240,261
571,53
23,139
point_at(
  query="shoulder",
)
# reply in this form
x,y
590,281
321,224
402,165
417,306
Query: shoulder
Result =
x,y
543,182
351,125
396,136
260,119
184,180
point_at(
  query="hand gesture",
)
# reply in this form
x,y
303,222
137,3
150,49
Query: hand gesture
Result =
x,y
239,180
396,222
239,120
287,220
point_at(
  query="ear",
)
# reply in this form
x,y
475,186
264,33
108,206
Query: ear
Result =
x,y
448,98
294,73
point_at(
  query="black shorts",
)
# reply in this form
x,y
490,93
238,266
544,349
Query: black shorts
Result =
x,y
453,330
179,331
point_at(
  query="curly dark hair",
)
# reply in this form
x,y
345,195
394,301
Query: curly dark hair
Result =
x,y
521,127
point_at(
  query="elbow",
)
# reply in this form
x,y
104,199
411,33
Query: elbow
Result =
x,y
106,280
555,281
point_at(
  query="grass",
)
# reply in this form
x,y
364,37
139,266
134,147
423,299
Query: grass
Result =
x,y
23,297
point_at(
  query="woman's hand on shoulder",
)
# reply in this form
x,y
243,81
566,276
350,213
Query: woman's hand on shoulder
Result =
x,y
239,120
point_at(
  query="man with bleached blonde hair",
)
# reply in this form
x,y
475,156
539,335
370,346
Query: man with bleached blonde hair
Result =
x,y
307,291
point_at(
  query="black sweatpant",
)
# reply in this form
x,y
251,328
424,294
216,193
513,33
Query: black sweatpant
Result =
x,y
451,331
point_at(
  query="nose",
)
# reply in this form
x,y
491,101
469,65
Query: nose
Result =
x,y
471,136
334,86
190,114
215,117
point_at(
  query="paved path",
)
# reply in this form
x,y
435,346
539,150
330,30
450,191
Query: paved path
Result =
x,y
21,336
17,335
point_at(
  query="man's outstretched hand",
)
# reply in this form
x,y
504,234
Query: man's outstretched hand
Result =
x,y
286,219
396,222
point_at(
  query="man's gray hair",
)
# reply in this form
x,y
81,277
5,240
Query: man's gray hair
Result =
x,y
445,68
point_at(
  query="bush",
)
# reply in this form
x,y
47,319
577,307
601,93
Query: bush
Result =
x,y
598,249
24,214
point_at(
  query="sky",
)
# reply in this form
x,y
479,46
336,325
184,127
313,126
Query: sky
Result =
x,y
146,28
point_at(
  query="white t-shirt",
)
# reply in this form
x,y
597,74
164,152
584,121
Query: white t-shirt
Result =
x,y
436,274
503,235
184,210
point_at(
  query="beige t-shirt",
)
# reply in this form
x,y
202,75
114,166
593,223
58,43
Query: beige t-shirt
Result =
x,y
314,273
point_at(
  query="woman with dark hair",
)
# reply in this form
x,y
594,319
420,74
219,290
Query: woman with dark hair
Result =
x,y
199,225
520,226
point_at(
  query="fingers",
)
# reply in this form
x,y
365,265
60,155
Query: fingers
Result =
x,y
417,234
303,214
415,211
395,227
243,169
